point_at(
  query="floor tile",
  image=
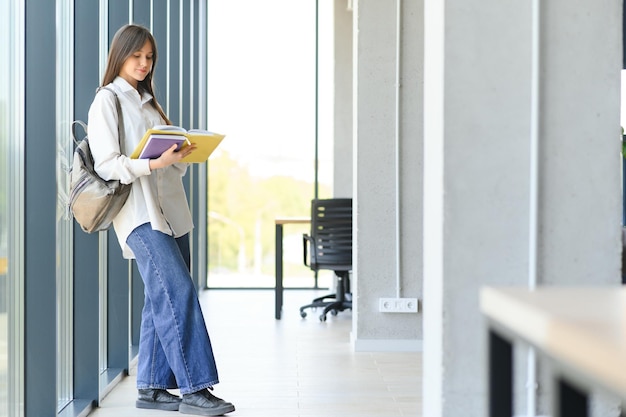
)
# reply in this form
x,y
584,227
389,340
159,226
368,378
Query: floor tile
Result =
x,y
291,367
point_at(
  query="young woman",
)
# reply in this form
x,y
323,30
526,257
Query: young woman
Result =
x,y
153,228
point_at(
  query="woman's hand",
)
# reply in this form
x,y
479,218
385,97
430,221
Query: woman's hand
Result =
x,y
171,156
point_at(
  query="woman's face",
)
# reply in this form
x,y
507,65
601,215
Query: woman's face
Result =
x,y
137,66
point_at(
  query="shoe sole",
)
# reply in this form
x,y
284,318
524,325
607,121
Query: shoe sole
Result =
x,y
202,411
154,405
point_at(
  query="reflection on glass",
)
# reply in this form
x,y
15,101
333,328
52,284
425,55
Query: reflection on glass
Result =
x,y
5,77
64,239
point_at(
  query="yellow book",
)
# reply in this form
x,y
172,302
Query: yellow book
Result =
x,y
160,138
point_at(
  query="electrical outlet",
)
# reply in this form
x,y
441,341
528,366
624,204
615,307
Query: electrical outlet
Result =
x,y
398,305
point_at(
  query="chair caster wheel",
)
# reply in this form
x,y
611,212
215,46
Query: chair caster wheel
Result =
x,y
323,318
333,312
302,314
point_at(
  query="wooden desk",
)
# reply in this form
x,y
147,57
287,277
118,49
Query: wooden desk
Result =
x,y
580,330
278,288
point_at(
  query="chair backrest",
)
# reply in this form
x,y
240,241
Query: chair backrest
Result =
x,y
331,233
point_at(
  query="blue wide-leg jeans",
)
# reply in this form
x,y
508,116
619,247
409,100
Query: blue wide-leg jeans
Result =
x,y
174,346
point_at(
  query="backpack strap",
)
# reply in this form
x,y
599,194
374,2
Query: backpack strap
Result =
x,y
120,118
81,124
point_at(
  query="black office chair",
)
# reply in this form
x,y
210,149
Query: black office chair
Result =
x,y
329,247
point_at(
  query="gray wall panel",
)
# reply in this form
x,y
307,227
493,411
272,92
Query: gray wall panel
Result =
x,y
40,210
86,80
141,12
117,267
118,299
118,16
175,57
159,77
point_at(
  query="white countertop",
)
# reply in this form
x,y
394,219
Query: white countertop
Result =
x,y
582,329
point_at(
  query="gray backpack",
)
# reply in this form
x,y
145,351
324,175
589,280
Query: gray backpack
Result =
x,y
94,202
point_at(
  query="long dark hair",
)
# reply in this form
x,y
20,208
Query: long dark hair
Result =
x,y
128,40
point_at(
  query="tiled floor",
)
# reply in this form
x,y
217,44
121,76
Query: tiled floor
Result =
x,y
292,367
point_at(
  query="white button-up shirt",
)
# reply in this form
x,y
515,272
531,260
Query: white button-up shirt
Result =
x,y
157,197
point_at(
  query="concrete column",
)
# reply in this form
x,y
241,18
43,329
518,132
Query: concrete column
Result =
x,y
477,192
387,261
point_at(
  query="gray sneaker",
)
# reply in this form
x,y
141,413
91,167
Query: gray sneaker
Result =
x,y
203,403
157,399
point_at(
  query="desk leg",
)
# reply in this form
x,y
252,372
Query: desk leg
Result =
x,y
278,287
500,376
572,402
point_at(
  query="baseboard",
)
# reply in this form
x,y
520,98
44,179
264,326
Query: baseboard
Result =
x,y
109,379
387,345
77,408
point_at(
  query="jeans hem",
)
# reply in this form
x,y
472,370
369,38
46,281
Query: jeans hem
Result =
x,y
155,386
196,388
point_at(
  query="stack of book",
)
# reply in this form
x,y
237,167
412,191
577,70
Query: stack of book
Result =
x,y
160,138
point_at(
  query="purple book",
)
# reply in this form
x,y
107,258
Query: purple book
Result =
x,y
159,143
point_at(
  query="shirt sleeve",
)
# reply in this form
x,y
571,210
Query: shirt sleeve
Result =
x,y
109,162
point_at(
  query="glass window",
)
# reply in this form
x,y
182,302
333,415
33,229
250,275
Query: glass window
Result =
x,y
11,202
5,71
64,225
262,95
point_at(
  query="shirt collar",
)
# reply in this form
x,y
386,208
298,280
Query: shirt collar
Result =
x,y
124,86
